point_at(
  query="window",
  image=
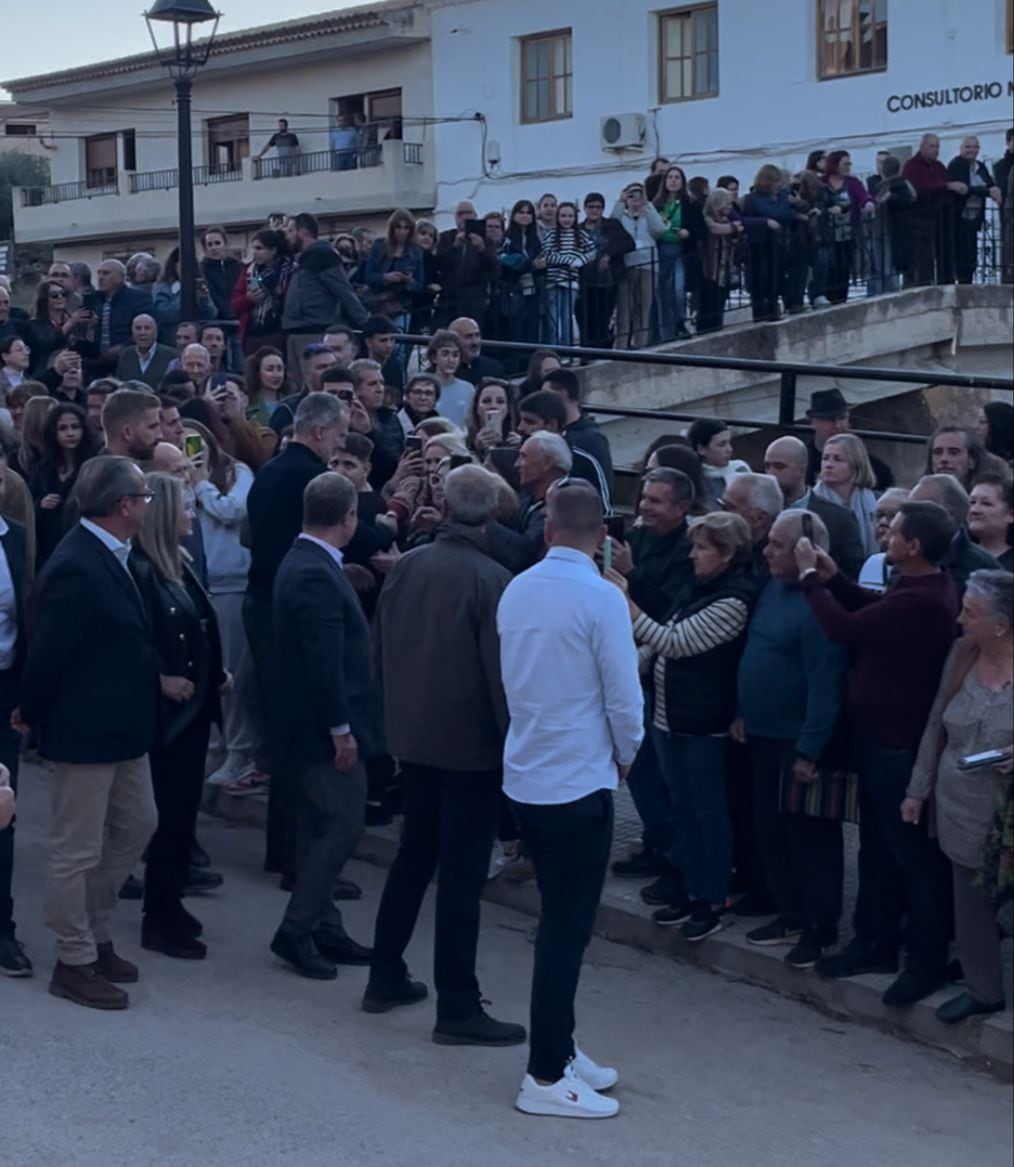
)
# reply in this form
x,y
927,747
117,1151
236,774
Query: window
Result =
x,y
19,130
129,138
546,77
379,114
1008,31
853,37
100,160
688,53
228,142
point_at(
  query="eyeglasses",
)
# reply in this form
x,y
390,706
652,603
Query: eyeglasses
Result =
x,y
147,495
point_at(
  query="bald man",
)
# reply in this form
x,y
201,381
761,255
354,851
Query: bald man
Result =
x,y
786,460
474,366
466,265
145,360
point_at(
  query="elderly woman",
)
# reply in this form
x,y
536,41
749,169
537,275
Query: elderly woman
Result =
x,y
695,658
847,478
185,632
876,570
991,517
973,713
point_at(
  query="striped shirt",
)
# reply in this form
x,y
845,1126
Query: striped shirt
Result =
x,y
717,624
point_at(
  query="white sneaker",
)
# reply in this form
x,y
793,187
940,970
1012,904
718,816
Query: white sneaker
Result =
x,y
570,1097
822,302
235,766
598,1077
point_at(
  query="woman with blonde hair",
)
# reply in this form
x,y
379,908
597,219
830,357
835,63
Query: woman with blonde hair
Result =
x,y
185,633
394,272
847,478
221,485
694,658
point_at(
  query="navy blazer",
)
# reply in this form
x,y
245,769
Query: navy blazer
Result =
x,y
91,681
13,542
322,661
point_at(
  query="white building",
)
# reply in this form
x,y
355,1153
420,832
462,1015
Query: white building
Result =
x,y
25,130
717,86
495,100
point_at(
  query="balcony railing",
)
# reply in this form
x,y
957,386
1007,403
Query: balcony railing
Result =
x,y
143,180
63,192
320,161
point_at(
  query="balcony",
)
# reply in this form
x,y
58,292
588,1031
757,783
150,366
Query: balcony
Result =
x,y
325,182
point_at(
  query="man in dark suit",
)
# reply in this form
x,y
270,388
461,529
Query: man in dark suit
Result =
x,y
829,415
13,961
329,719
91,689
115,306
786,461
144,360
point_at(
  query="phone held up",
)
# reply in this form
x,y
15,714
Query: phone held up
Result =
x,y
193,445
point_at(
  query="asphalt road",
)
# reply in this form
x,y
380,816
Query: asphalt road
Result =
x,y
237,1062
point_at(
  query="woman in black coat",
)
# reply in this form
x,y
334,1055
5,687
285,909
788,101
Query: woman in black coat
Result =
x,y
191,675
67,443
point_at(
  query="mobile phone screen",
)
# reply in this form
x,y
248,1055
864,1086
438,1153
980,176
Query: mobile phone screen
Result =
x,y
607,554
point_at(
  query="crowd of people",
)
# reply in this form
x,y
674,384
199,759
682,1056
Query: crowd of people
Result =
x,y
272,557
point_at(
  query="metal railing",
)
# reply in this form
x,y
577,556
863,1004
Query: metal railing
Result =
x,y
142,180
412,153
317,162
63,192
207,175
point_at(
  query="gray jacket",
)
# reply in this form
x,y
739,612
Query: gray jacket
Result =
x,y
320,293
438,653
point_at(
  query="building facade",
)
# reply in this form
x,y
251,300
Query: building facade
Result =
x,y
494,100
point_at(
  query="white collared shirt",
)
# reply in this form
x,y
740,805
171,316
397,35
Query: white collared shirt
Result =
x,y
336,555
145,359
8,608
120,549
569,670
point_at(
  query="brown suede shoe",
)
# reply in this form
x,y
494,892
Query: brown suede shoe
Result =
x,y
84,985
114,968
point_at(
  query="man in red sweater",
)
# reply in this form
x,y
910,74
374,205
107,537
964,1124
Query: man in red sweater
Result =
x,y
933,217
897,644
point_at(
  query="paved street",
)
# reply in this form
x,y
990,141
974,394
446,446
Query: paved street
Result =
x,y
238,1061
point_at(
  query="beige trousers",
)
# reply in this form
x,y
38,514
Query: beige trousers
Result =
x,y
101,819
634,297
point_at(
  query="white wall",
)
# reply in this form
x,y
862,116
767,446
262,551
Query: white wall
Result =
x,y
770,106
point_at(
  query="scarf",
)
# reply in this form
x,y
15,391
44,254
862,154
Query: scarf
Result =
x,y
862,503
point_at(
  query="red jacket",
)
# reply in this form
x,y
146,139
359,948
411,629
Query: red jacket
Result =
x,y
927,177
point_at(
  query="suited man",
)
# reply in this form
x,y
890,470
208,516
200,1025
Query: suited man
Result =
x,y
330,723
13,961
91,689
787,461
145,360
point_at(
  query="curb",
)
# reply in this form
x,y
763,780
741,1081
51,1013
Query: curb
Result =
x,y
985,1044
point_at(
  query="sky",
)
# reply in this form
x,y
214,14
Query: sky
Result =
x,y
83,30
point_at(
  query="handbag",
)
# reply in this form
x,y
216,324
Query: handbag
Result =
x,y
834,795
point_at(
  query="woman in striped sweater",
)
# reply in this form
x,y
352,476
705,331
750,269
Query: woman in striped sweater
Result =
x,y
695,657
566,249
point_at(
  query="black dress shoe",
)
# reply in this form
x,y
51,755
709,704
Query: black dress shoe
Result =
x,y
383,1000
171,940
187,923
910,987
666,890
198,856
133,889
304,956
341,949
345,889
201,881
963,1006
479,1029
853,960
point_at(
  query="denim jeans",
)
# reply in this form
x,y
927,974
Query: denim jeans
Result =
x,y
651,797
883,277
560,309
671,298
694,771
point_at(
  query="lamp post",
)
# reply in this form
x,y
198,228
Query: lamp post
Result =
x,y
182,58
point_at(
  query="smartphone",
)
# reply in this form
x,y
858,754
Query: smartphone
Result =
x,y
193,445
414,444
494,420
460,460
475,227
981,761
615,527
807,526
607,554
345,395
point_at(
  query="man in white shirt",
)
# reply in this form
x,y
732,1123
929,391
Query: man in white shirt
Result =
x,y
569,670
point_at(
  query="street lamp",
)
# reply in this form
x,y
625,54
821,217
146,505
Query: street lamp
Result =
x,y
182,59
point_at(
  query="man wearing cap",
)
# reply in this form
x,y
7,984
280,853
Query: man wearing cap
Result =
x,y
829,415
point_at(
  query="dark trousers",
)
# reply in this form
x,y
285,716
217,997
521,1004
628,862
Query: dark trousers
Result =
x,y
763,281
651,795
966,246
803,855
10,746
330,816
280,831
177,778
900,867
594,311
748,866
711,306
450,823
839,271
569,847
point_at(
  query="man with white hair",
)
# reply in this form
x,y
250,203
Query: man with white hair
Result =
x,y
116,307
543,460
791,682
451,781
787,461
145,360
196,363
970,209
964,556
757,499
143,270
474,366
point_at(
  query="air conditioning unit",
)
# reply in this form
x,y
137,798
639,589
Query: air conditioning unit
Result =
x,y
622,131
